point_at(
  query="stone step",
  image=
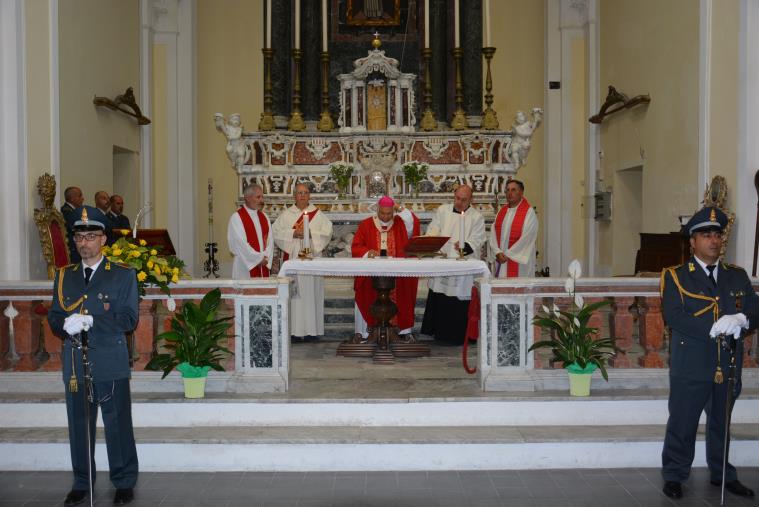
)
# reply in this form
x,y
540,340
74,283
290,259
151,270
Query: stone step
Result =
x,y
342,448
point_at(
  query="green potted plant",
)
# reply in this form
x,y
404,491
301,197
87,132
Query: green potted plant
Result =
x,y
572,342
414,172
341,173
193,344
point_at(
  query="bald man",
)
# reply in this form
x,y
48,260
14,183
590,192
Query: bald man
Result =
x,y
445,316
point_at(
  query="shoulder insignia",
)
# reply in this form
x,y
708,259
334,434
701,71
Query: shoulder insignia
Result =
x,y
692,267
74,267
107,266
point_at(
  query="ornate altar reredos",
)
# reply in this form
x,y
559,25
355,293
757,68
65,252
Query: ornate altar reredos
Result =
x,y
377,135
376,96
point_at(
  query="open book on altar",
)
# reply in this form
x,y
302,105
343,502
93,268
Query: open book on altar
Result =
x,y
425,246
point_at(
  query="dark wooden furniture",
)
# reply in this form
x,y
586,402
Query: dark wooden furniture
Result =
x,y
158,237
658,251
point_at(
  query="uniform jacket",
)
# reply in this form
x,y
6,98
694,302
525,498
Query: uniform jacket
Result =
x,y
691,304
118,221
111,299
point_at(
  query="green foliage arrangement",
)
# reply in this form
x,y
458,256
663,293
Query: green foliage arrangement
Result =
x,y
194,338
414,172
341,173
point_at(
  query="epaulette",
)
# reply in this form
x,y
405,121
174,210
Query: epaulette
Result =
x,y
122,265
727,265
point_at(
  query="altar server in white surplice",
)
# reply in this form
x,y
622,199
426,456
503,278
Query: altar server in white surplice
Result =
x,y
511,242
249,237
445,316
307,307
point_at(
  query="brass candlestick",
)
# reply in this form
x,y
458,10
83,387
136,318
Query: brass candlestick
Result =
x,y
489,116
325,121
305,254
428,116
267,118
296,122
458,122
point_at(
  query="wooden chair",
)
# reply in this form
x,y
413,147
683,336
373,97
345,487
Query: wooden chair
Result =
x,y
51,227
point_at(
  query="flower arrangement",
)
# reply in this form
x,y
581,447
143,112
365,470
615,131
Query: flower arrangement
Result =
x,y
151,267
573,342
415,172
341,173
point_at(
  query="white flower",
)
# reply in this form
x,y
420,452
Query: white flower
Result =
x,y
546,310
556,310
575,269
576,322
579,302
171,305
569,285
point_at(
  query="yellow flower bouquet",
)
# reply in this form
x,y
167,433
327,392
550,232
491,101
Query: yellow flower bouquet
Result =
x,y
151,268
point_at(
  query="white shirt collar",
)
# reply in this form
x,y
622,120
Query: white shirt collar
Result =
x,y
94,266
703,266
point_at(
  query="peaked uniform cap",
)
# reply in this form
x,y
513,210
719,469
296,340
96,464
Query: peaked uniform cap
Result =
x,y
708,218
89,218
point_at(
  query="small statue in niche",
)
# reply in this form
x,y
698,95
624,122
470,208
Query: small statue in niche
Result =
x,y
237,151
522,131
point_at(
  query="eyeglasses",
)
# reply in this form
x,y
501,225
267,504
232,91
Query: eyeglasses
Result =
x,y
306,192
78,238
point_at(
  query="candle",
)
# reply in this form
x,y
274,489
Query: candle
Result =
x,y
488,42
456,41
461,231
297,24
268,24
210,210
324,25
306,232
426,24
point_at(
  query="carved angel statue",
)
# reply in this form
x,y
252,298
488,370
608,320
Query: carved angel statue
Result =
x,y
522,131
237,151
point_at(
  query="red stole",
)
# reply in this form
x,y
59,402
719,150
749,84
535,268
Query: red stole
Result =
x,y
260,271
512,268
311,215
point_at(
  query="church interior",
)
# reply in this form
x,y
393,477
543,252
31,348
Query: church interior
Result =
x,y
621,119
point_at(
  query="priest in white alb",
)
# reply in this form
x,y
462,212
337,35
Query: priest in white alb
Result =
x,y
298,226
511,242
446,312
249,238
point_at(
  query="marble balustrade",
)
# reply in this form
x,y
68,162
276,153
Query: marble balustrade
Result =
x,y
261,348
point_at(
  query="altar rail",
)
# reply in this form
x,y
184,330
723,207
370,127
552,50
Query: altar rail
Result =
x,y
261,345
634,318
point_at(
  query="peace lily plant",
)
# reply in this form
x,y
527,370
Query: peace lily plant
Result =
x,y
573,343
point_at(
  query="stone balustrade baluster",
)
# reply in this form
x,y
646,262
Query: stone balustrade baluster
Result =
x,y
651,332
621,327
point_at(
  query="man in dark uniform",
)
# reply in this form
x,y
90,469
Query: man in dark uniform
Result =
x,y
74,199
100,297
703,300
116,213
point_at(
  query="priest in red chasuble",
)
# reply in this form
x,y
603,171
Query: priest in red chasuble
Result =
x,y
511,243
385,235
249,237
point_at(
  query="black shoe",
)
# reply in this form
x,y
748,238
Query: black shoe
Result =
x,y
673,489
296,339
735,487
75,497
311,339
123,496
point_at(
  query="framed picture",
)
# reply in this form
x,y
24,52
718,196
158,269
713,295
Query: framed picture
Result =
x,y
373,12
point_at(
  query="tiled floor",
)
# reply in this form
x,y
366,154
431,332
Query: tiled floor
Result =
x,y
550,488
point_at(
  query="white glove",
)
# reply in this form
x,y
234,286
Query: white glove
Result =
x,y
73,324
76,323
87,322
730,325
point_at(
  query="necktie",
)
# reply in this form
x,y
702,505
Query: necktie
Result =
x,y
711,273
87,275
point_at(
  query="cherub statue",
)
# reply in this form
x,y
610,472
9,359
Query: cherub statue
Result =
x,y
522,131
237,151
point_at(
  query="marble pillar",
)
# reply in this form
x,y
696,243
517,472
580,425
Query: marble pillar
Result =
x,y
509,336
259,337
311,44
471,63
281,41
441,59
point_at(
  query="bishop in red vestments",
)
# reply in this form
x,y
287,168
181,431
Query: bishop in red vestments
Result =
x,y
385,234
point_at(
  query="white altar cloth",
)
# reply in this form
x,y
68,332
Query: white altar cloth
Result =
x,y
385,267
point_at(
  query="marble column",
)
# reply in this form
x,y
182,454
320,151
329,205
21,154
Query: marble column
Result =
x,y
281,78
311,44
471,63
441,58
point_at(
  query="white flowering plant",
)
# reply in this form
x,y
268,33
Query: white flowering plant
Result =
x,y
573,343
